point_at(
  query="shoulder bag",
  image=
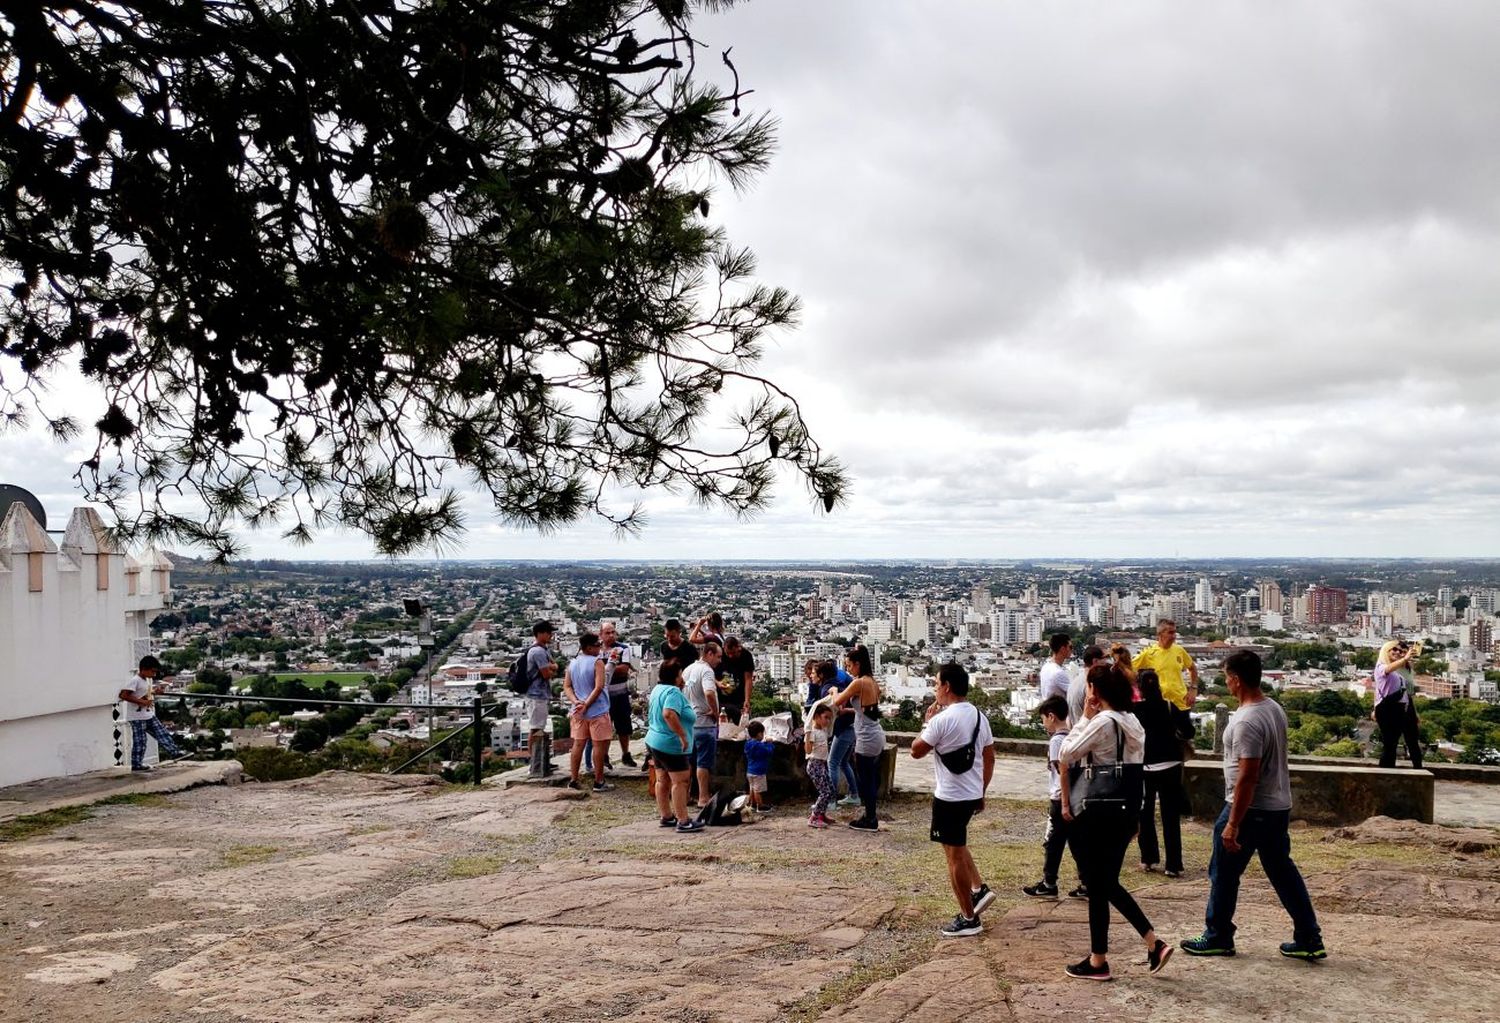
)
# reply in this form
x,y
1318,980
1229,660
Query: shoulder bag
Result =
x,y
961,760
1107,788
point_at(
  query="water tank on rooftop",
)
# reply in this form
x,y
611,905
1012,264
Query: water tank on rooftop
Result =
x,y
10,494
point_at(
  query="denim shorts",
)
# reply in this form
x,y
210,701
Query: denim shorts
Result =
x,y
705,748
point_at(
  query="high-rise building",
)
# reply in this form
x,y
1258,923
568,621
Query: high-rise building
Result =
x,y
1203,597
1249,602
1481,635
917,627
878,630
1270,596
980,599
1327,605
1064,594
1445,595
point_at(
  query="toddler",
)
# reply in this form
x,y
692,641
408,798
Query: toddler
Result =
x,y
758,754
816,745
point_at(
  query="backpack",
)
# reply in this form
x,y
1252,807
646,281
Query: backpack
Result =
x,y
961,760
518,678
724,810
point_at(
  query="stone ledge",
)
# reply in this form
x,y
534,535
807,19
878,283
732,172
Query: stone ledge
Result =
x,y
1326,794
83,789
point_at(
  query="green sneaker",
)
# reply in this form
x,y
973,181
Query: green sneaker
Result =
x,y
1203,945
1304,950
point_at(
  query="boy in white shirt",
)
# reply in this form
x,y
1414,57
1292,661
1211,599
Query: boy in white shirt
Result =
x,y
1054,713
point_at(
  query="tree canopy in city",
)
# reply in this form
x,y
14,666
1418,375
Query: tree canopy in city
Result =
x,y
332,260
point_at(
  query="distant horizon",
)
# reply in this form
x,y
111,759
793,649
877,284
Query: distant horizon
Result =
x,y
1039,562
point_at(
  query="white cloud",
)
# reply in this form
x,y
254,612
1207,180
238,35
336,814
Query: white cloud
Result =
x,y
1118,280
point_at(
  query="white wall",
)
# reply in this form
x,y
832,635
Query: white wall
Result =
x,y
73,618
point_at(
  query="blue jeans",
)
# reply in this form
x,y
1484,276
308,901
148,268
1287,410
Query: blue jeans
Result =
x,y
840,763
1263,833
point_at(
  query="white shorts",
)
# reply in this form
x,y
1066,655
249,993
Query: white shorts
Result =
x,y
757,783
536,714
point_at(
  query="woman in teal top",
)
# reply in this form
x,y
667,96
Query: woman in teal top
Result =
x,y
669,740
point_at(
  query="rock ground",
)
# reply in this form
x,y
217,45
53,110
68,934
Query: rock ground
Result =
x,y
368,898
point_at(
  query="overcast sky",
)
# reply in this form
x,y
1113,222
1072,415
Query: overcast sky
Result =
x,y
1111,280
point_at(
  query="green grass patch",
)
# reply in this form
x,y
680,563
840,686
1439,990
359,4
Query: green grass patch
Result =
x,y
247,855
34,825
318,678
479,865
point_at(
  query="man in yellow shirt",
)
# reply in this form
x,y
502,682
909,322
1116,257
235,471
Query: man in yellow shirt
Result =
x,y
1169,661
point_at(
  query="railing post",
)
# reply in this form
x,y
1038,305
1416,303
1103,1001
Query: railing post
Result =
x,y
478,739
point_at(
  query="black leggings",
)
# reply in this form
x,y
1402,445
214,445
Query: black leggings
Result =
x,y
1398,721
1098,840
867,773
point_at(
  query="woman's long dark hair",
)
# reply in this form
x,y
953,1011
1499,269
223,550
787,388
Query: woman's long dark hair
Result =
x,y
861,658
1149,684
1112,686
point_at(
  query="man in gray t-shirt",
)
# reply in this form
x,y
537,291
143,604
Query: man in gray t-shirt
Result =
x,y
1255,820
539,671
1257,731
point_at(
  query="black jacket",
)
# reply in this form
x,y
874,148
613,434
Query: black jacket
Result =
x,y
1166,727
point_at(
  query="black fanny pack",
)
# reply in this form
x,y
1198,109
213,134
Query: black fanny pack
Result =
x,y
961,760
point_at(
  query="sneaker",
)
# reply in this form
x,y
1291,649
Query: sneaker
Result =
x,y
143,767
1158,956
1203,945
1172,873
603,786
1086,970
1308,950
669,822
1149,868
689,826
765,809
848,802
983,898
1081,892
962,928
628,760
816,821
863,825
573,784
1040,890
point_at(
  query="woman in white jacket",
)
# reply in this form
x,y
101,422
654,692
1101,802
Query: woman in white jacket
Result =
x,y
1099,834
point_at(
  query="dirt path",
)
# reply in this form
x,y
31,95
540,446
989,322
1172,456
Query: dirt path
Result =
x,y
364,898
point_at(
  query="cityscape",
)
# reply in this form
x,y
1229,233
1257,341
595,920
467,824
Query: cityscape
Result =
x,y
345,631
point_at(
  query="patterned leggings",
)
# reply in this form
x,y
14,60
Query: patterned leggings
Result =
x,y
154,728
817,770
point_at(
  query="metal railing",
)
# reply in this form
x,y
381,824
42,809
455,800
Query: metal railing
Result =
x,y
478,711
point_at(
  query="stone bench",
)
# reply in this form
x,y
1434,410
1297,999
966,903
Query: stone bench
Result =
x,y
1326,794
787,777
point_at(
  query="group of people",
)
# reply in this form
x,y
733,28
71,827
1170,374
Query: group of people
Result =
x,y
1100,758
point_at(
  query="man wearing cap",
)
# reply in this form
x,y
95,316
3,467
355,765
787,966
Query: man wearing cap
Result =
x,y
539,672
139,695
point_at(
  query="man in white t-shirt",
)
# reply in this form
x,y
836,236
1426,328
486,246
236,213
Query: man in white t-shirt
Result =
x,y
1055,678
139,695
956,729
703,696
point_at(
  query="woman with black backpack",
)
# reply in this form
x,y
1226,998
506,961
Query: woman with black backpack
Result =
x,y
1104,756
